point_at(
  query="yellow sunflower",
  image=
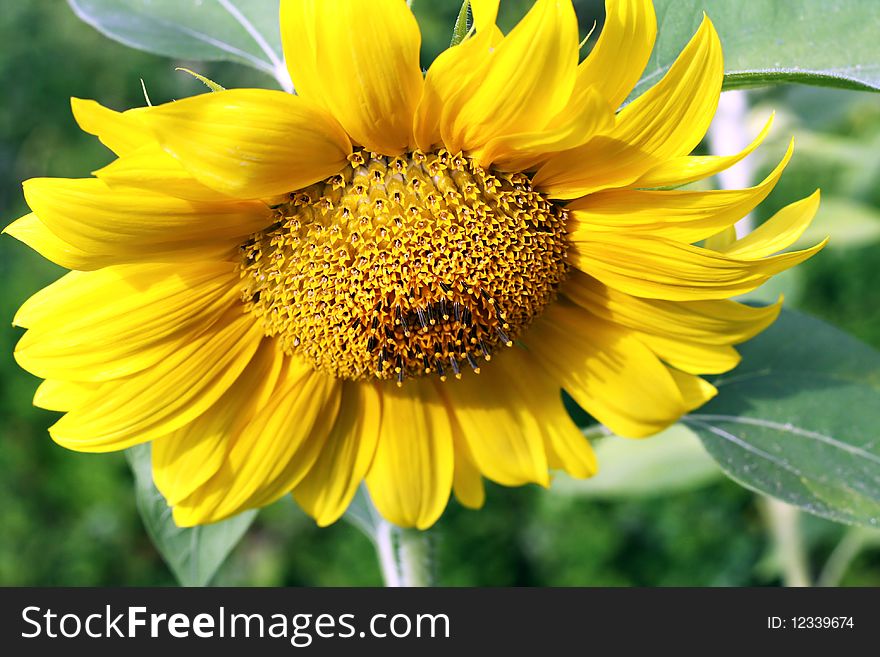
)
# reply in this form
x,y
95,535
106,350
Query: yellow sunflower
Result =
x,y
392,275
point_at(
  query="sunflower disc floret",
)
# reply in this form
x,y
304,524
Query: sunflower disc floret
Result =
x,y
403,266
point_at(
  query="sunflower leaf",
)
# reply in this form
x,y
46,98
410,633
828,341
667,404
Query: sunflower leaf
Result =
x,y
230,30
462,23
193,554
809,41
798,420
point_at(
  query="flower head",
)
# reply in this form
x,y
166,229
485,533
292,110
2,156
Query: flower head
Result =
x,y
390,276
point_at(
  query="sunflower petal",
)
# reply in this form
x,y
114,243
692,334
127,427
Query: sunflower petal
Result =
x,y
467,482
689,168
586,115
33,232
607,371
250,143
485,13
691,357
185,459
716,322
121,132
165,397
54,395
273,453
137,224
666,122
360,60
620,55
721,240
151,168
567,448
455,70
304,417
412,471
694,390
526,81
328,488
117,321
686,216
663,269
502,429
777,233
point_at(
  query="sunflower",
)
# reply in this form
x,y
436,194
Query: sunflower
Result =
x,y
390,276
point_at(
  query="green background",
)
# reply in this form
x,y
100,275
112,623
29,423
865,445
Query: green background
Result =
x,y
70,519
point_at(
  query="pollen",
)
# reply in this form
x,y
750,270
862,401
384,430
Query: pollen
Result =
x,y
401,267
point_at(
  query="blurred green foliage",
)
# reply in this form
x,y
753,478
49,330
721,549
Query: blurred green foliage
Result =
x,y
70,519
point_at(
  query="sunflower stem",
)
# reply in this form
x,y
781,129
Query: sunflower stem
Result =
x,y
386,551
784,526
405,556
415,556
851,545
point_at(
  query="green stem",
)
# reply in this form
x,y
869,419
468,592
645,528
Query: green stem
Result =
x,y
414,553
387,553
404,556
851,545
784,524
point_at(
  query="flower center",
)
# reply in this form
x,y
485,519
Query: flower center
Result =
x,y
404,266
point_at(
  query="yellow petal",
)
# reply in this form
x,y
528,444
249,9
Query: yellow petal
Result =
x,y
359,60
121,132
689,168
686,216
666,122
467,482
607,370
721,240
663,269
777,233
328,488
411,475
620,55
165,397
250,143
303,418
694,390
525,82
503,432
671,118
567,448
586,115
137,224
64,396
485,13
33,232
151,168
117,321
716,322
185,459
455,70
691,356
273,453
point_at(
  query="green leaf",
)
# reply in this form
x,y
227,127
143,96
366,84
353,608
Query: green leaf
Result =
x,y
809,41
462,23
672,461
193,554
200,30
798,420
